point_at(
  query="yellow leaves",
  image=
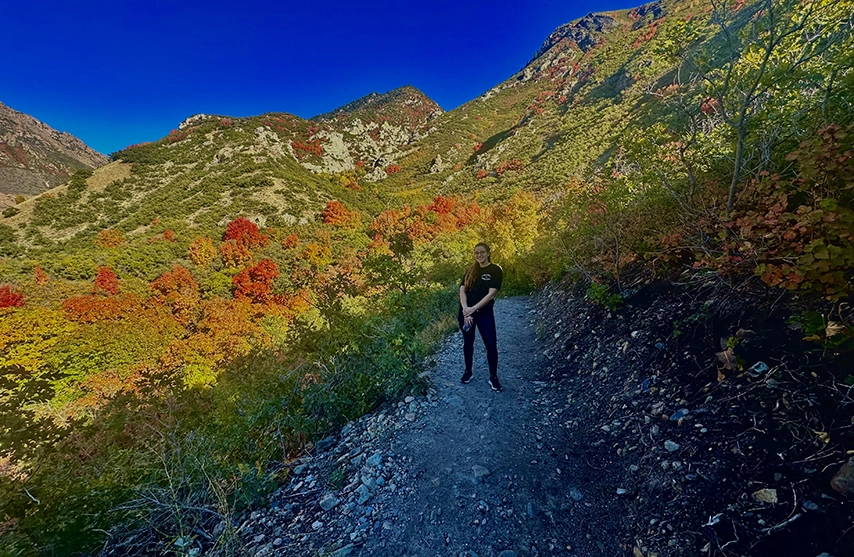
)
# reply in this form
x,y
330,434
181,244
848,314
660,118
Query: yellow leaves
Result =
x,y
514,228
823,436
28,334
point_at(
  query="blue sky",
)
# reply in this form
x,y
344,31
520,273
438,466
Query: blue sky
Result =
x,y
119,72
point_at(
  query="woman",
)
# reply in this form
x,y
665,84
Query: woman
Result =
x,y
477,292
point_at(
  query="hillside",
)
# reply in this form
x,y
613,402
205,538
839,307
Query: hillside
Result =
x,y
542,127
178,327
35,157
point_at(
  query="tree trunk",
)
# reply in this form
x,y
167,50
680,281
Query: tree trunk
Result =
x,y
739,149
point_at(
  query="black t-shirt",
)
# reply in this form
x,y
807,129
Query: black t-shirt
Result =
x,y
489,277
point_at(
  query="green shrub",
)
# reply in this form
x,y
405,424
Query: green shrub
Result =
x,y
599,294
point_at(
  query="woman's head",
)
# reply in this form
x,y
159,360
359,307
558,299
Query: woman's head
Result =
x,y
482,253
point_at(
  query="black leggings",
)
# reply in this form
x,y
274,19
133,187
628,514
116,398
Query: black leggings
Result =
x,y
485,323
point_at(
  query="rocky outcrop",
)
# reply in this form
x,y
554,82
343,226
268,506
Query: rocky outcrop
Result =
x,y
583,32
35,157
642,14
374,130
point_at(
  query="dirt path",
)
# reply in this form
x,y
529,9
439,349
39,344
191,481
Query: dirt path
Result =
x,y
465,471
483,474
614,436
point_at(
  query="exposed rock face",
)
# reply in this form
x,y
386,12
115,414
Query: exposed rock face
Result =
x,y
584,32
35,157
374,129
653,10
194,119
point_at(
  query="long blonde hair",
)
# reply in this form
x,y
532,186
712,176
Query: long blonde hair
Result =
x,y
472,272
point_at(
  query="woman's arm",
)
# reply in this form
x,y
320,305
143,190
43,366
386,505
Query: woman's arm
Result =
x,y
463,299
489,296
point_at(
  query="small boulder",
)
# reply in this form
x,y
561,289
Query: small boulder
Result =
x,y
843,481
324,444
766,496
329,502
480,471
375,459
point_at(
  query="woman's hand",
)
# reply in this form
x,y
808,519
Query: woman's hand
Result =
x,y
468,311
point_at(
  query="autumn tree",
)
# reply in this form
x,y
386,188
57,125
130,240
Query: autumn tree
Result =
x,y
107,280
256,283
40,276
291,241
10,297
234,254
768,57
246,233
337,215
202,251
93,308
110,238
178,290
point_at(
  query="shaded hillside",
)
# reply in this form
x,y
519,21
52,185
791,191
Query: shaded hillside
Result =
x,y
35,157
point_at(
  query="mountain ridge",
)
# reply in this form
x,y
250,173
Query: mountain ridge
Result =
x,y
35,157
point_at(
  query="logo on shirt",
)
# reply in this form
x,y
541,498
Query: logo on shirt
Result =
x,y
486,276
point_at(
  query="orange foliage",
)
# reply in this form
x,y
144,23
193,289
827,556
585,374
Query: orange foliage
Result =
x,y
352,184
107,280
10,297
797,231
202,251
418,225
291,241
291,305
91,308
110,238
234,254
311,147
178,290
709,106
647,34
504,166
246,233
256,283
443,205
336,214
40,276
224,332
169,236
392,169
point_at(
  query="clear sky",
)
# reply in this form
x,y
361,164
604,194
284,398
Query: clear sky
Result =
x,y
118,72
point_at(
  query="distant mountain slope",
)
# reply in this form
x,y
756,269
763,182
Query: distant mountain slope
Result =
x,y
377,126
548,122
35,157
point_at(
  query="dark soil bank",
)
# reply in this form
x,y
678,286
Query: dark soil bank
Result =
x,y
614,435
